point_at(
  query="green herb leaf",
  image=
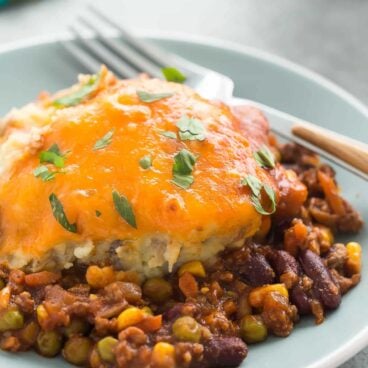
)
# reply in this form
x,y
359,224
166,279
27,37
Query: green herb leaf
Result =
x,y
55,148
98,213
145,162
183,181
78,96
173,75
254,184
104,141
43,173
53,156
191,129
184,162
168,134
152,97
59,214
264,157
272,197
124,208
257,187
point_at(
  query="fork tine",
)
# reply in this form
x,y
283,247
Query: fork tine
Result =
x,y
85,59
120,67
160,58
142,64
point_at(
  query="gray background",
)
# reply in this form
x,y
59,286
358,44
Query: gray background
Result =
x,y
327,36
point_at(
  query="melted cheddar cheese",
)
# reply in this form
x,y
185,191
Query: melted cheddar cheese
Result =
x,y
215,205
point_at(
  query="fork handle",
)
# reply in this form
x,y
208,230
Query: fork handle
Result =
x,y
348,150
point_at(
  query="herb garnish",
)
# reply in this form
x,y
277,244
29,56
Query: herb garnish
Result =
x,y
264,157
98,213
173,75
44,173
53,156
152,97
168,134
257,187
191,129
78,96
124,208
184,162
145,162
272,197
104,141
59,214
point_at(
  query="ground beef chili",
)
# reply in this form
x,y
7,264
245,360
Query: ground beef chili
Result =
x,y
199,316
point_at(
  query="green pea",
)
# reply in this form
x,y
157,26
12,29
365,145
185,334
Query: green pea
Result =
x,y
187,329
77,349
253,329
29,333
76,326
11,320
157,289
49,343
105,348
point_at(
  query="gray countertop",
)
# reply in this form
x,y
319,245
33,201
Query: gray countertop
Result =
x,y
326,36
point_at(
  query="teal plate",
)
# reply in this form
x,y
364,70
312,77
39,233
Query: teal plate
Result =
x,y
28,68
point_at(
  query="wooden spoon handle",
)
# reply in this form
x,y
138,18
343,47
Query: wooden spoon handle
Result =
x,y
348,150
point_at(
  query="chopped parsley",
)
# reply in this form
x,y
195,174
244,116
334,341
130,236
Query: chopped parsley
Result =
x,y
98,213
104,141
257,188
254,184
191,129
264,157
44,173
53,156
79,95
145,162
173,75
59,214
184,162
168,134
124,208
272,197
152,97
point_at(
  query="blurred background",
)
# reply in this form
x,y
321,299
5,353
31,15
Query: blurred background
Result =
x,y
328,37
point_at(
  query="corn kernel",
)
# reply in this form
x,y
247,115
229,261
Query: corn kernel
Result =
x,y
256,296
99,277
42,314
4,297
326,238
130,317
195,268
163,354
147,310
354,261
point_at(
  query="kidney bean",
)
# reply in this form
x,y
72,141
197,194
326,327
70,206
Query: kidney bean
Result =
x,y
300,299
256,270
323,285
284,262
224,352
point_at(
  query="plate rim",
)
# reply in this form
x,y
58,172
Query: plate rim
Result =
x,y
360,341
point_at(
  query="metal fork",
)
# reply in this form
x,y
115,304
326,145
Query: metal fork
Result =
x,y
128,56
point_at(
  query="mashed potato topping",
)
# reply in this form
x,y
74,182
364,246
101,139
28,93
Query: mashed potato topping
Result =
x,y
125,137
